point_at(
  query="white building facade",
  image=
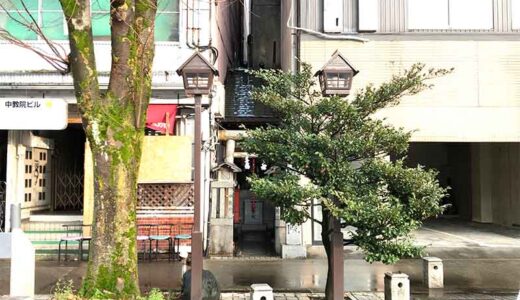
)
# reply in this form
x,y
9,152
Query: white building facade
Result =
x,y
468,125
50,172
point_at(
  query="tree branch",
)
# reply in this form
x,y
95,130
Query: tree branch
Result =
x,y
82,58
58,60
144,23
347,242
122,37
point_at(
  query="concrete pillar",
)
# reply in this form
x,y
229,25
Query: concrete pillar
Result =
x,y
16,216
221,238
279,232
515,184
88,187
482,182
433,272
397,286
22,265
288,15
261,291
14,173
293,246
230,150
221,226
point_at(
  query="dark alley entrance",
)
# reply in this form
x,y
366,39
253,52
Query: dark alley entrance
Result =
x,y
254,229
482,178
453,163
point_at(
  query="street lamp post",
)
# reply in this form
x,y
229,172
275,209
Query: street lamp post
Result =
x,y
197,74
336,80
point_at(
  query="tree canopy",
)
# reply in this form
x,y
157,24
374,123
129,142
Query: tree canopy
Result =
x,y
344,152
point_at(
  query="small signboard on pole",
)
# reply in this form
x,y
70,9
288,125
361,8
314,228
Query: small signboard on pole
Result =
x,y
33,114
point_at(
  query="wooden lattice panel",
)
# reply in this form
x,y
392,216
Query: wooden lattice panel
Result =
x,y
165,195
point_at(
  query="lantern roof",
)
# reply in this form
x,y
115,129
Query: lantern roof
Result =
x,y
231,166
337,62
197,62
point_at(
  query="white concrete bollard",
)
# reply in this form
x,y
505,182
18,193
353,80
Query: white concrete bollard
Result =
x,y
17,247
397,286
22,265
433,272
261,291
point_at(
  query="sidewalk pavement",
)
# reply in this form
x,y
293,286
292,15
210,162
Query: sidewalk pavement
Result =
x,y
495,271
477,258
377,296
348,296
304,296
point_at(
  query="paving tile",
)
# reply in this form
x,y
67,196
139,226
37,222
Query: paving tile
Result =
x,y
365,296
226,296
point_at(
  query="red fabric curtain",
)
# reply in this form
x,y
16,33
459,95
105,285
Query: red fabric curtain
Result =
x,y
160,117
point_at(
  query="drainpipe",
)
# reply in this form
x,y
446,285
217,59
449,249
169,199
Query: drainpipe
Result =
x,y
190,43
207,180
297,40
246,30
187,25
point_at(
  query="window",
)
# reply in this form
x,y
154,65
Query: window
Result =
x,y
337,80
49,16
515,13
15,14
167,21
450,14
100,11
52,21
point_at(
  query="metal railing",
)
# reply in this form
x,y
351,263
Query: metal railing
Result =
x,y
2,205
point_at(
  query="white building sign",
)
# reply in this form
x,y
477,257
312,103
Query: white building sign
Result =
x,y
33,113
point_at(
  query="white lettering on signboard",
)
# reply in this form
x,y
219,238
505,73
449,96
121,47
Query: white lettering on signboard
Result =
x,y
31,114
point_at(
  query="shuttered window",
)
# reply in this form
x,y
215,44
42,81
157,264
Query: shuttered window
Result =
x,y
515,13
368,15
471,14
332,16
428,14
450,14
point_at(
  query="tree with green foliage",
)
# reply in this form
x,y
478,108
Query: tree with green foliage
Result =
x,y
343,150
113,121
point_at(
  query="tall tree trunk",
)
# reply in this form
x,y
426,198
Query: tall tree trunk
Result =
x,y
112,268
327,244
114,125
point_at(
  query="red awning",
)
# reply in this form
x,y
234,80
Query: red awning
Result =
x,y
161,116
